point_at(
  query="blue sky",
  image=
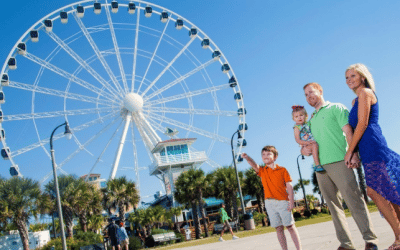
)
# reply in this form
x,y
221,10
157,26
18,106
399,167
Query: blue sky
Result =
x,y
274,48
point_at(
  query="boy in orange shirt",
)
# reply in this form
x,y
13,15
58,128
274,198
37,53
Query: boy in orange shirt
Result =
x,y
278,192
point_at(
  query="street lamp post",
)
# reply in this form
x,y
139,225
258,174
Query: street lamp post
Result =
x,y
68,134
237,175
301,181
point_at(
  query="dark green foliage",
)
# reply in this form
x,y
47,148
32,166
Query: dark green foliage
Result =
x,y
181,236
72,244
296,215
89,237
135,243
149,241
324,210
314,211
159,231
307,213
258,217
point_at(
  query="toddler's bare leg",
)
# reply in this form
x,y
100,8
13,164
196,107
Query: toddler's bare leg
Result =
x,y
315,153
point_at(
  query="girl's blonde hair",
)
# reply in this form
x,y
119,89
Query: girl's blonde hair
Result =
x,y
299,109
364,72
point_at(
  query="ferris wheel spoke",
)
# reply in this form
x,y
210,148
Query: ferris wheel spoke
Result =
x,y
168,66
176,81
79,149
104,150
120,146
135,157
97,51
135,50
82,62
60,135
58,93
190,128
29,116
55,69
154,53
190,111
186,95
145,137
116,48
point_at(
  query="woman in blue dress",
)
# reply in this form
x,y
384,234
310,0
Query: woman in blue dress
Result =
x,y
381,164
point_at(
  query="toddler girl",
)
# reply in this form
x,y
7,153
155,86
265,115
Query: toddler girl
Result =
x,y
303,136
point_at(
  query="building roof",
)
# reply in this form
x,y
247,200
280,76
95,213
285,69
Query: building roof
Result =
x,y
91,175
173,142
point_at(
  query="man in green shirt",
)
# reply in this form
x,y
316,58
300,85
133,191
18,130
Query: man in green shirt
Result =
x,y
330,128
225,221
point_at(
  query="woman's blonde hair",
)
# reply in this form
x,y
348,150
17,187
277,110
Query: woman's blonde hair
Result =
x,y
364,72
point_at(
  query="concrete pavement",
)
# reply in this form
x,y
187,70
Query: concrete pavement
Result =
x,y
320,236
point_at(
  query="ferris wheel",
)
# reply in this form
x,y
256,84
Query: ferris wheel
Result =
x,y
126,76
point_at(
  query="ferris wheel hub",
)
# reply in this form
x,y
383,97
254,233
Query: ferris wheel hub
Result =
x,y
133,102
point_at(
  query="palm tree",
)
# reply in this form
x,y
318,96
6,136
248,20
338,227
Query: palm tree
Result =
x,y
95,222
68,185
159,215
138,218
87,202
298,186
187,188
316,187
225,187
175,212
20,197
252,185
120,194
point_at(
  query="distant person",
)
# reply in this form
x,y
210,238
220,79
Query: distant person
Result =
x,y
112,233
303,136
123,237
278,194
381,164
225,221
330,128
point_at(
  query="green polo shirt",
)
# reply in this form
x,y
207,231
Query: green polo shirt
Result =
x,y
326,127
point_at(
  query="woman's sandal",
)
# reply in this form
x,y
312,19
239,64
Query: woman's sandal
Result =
x,y
395,246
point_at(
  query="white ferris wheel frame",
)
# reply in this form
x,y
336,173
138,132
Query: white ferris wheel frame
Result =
x,y
149,123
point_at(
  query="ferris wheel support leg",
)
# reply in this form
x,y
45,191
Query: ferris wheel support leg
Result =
x,y
121,146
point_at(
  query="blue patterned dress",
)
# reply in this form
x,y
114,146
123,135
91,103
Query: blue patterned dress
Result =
x,y
381,164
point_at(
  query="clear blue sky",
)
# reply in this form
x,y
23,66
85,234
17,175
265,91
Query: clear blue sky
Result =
x,y
274,48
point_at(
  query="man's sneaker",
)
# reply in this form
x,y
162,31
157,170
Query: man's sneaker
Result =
x,y
235,237
220,239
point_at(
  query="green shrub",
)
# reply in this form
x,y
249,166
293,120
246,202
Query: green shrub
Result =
x,y
135,243
314,211
258,217
183,238
325,210
89,237
160,231
72,244
307,213
296,215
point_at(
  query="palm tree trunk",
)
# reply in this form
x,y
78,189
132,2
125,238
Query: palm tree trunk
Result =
x,y
203,216
68,218
228,205
121,208
23,233
83,221
196,220
235,206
